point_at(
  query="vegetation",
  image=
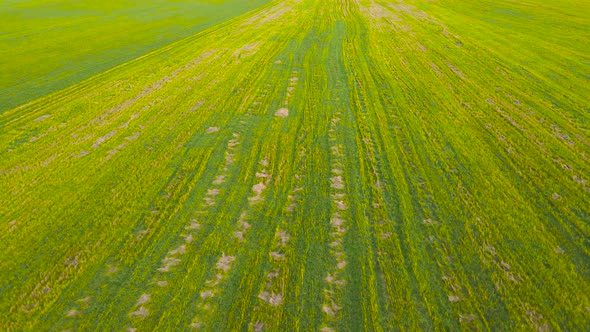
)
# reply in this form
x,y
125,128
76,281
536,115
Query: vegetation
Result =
x,y
332,165
48,45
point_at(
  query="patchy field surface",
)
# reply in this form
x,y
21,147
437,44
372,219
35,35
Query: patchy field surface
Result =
x,y
47,45
329,165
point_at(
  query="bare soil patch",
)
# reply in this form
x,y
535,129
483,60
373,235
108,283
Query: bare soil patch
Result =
x,y
282,112
224,262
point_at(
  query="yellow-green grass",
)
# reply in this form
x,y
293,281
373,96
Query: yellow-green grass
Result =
x,y
48,45
431,174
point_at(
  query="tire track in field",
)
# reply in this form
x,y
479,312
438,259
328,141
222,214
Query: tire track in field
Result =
x,y
334,280
455,187
440,240
272,294
224,263
174,257
212,287
204,304
174,183
208,205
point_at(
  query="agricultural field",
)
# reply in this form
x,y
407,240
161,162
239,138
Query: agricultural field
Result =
x,y
302,165
48,45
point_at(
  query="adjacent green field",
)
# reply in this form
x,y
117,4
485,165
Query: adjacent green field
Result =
x,y
47,45
331,165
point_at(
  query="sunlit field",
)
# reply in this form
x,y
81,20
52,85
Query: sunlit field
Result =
x,y
296,165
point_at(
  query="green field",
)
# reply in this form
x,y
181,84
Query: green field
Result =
x,y
333,165
47,45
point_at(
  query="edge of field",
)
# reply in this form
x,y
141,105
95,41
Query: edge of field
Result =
x,y
85,84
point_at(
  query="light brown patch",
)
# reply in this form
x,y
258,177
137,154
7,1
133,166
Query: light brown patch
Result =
x,y
224,262
103,139
72,313
194,225
454,298
341,205
180,250
282,112
283,237
276,256
456,70
271,298
169,262
207,294
262,175
143,299
468,318
258,327
41,118
246,50
337,182
141,313
219,179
